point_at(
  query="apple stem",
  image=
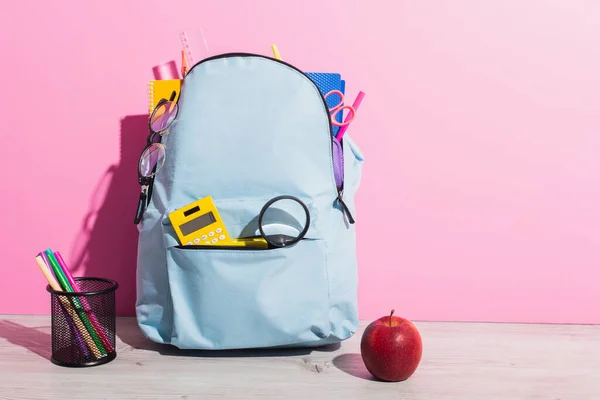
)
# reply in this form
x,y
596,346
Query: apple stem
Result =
x,y
392,313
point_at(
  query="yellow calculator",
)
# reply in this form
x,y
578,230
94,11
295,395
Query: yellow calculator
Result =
x,y
199,223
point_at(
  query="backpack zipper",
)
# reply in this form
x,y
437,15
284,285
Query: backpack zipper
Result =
x,y
345,207
223,247
340,192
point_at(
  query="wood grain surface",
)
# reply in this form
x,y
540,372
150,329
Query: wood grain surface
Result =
x,y
462,361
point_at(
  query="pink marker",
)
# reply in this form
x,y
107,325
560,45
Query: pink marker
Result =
x,y
355,106
85,304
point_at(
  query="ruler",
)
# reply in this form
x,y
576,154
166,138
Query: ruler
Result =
x,y
186,48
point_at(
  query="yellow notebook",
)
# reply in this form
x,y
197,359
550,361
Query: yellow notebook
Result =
x,y
162,89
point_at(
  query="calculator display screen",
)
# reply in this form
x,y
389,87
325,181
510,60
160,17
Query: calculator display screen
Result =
x,y
198,223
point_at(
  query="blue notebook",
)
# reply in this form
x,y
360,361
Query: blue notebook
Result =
x,y
327,82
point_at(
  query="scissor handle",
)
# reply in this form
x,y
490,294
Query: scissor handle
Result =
x,y
340,108
340,95
348,119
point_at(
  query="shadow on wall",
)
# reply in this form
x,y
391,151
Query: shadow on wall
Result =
x,y
106,245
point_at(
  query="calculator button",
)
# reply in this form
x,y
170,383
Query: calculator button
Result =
x,y
189,243
211,233
196,241
203,237
219,230
215,240
222,237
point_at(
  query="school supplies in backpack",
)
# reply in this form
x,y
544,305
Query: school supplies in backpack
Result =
x,y
161,88
326,82
249,129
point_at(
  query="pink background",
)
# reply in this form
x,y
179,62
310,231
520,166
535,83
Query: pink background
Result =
x,y
480,197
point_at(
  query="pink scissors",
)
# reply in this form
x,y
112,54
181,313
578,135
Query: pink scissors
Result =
x,y
340,108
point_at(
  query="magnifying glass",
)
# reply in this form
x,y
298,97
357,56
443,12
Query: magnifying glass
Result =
x,y
279,221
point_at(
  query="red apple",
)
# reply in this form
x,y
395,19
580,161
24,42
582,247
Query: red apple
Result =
x,y
391,348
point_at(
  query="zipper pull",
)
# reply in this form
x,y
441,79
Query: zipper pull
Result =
x,y
345,207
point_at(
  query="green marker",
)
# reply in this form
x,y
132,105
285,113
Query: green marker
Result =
x,y
62,279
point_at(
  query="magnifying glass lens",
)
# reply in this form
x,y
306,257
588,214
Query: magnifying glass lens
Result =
x,y
284,221
152,159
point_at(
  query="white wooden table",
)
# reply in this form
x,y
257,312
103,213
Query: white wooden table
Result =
x,y
461,361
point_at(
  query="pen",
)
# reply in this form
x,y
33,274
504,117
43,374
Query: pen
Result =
x,y
184,64
45,258
55,286
84,302
74,330
62,280
355,105
173,105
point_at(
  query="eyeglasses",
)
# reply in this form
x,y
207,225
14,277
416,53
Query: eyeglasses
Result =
x,y
154,154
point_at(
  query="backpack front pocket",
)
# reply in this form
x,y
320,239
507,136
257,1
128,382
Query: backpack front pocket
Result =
x,y
227,299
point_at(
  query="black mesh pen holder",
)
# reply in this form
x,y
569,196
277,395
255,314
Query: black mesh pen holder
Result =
x,y
84,323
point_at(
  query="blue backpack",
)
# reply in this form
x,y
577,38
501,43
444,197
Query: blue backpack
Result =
x,y
250,128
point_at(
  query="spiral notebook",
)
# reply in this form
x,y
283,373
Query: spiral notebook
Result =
x,y
162,89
